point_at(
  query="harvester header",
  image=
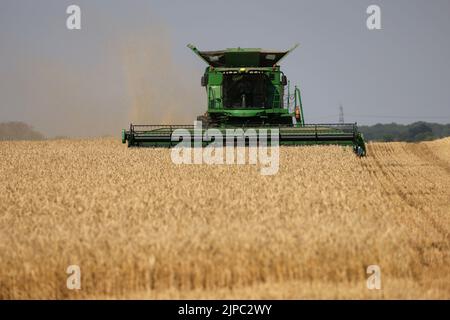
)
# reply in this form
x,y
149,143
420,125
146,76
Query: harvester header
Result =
x,y
246,88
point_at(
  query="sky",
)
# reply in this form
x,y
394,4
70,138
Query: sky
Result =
x,y
129,62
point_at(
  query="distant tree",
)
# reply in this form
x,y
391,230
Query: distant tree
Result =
x,y
420,131
19,131
417,131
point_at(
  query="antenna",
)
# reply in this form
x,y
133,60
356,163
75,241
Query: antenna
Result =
x,y
341,113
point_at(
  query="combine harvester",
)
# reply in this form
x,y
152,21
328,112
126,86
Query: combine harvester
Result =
x,y
246,90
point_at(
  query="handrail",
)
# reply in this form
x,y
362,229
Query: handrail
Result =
x,y
213,97
297,94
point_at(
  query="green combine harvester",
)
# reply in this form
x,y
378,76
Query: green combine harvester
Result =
x,y
247,90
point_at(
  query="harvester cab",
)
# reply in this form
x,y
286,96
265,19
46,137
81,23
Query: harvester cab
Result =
x,y
246,88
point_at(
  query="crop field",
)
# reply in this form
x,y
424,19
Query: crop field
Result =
x,y
139,226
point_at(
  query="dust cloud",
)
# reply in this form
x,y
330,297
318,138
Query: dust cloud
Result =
x,y
102,85
160,91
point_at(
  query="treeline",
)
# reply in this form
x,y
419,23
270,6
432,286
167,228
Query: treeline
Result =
x,y
19,131
417,131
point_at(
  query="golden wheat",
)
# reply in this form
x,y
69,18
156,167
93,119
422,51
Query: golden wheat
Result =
x,y
141,227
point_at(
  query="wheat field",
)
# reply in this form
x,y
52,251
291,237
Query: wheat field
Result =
x,y
141,227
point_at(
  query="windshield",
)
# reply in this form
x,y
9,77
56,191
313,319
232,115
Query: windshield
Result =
x,y
245,91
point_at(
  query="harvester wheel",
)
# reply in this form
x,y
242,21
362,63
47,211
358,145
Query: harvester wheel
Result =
x,y
206,120
360,151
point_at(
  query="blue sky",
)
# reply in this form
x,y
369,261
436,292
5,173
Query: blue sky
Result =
x,y
129,62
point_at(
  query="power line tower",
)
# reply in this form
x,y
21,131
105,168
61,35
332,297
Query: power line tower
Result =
x,y
341,114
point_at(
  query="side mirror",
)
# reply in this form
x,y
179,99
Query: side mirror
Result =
x,y
204,80
283,80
